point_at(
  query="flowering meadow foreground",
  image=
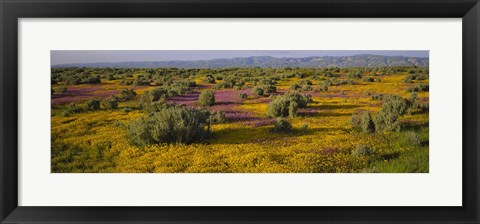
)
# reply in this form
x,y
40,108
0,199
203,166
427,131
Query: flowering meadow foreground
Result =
x,y
240,120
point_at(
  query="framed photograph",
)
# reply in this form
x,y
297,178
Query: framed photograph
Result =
x,y
239,111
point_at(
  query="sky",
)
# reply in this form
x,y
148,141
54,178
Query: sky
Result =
x,y
94,56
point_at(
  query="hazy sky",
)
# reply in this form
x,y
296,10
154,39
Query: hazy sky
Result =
x,y
92,56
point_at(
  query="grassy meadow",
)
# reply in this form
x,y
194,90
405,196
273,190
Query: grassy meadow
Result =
x,y
240,120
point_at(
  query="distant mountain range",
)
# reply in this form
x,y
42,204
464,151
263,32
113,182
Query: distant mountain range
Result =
x,y
363,60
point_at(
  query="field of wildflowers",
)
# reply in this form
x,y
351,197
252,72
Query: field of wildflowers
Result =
x,y
323,136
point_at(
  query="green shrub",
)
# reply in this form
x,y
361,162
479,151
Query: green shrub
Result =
x,y
65,113
270,89
287,105
421,105
423,87
363,121
218,117
281,125
73,109
413,97
206,98
174,124
362,150
377,97
258,91
209,79
60,90
327,74
409,78
350,82
126,82
72,80
294,86
91,80
420,87
110,104
127,94
157,94
387,119
300,75
306,88
305,82
154,107
412,138
243,96
355,75
92,104
323,87
422,76
368,79
141,81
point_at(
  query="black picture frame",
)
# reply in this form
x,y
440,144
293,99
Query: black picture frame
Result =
x,y
11,11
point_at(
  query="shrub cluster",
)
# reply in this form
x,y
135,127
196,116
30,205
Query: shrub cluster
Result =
x,y
230,82
126,82
281,125
217,117
355,75
92,104
362,150
294,87
110,104
412,138
173,124
243,96
420,87
305,82
363,121
141,81
377,97
306,88
83,78
323,87
127,94
420,76
258,91
287,105
387,118
209,79
368,79
270,89
72,108
150,96
344,82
